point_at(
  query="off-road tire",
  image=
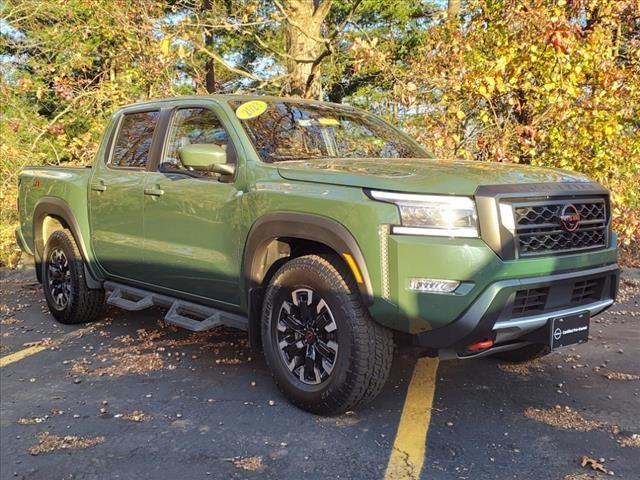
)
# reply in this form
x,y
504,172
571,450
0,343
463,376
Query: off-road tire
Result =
x,y
83,304
523,354
365,348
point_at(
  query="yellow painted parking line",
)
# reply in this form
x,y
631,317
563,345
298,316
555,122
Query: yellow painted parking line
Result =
x,y
27,352
410,445
14,357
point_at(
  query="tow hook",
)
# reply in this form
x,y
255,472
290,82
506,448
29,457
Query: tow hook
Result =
x,y
478,346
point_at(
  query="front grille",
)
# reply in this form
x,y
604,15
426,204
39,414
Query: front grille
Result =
x,y
530,301
538,300
538,230
586,290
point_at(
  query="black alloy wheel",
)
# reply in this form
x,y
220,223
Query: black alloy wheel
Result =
x,y
59,278
307,336
68,296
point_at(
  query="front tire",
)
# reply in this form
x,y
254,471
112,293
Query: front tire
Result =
x,y
325,352
69,298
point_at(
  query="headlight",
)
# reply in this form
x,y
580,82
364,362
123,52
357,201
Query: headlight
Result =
x,y
440,215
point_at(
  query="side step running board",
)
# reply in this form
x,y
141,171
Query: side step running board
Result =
x,y
182,313
128,298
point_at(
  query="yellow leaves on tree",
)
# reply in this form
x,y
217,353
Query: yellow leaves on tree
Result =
x,y
542,82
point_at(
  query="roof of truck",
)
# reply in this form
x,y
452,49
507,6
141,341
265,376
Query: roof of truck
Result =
x,y
225,97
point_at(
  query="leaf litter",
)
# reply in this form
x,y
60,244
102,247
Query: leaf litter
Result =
x,y
252,464
524,369
583,476
38,420
593,464
629,288
564,418
49,443
630,441
136,416
621,376
151,350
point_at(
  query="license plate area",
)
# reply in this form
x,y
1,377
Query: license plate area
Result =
x,y
569,329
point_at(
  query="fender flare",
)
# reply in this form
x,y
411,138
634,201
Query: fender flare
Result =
x,y
306,227
57,207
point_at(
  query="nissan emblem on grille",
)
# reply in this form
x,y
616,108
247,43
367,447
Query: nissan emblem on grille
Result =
x,y
569,218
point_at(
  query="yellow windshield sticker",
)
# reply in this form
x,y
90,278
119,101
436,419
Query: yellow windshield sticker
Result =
x,y
328,122
252,109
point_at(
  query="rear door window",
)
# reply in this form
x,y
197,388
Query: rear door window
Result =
x,y
133,142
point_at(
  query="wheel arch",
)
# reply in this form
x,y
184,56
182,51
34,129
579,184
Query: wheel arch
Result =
x,y
269,242
52,214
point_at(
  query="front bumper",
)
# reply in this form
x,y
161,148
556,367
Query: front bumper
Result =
x,y
491,315
469,261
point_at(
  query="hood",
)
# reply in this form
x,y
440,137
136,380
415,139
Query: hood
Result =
x,y
420,175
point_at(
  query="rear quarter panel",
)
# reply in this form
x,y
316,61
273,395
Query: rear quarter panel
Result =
x,y
68,184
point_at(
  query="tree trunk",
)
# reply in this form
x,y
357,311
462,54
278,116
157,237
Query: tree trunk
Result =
x,y
210,66
305,46
453,10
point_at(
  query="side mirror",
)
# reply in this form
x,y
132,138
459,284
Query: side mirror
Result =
x,y
206,157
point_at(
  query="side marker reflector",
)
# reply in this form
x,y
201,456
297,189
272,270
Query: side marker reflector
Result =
x,y
354,267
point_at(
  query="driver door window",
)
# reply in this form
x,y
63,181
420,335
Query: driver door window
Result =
x,y
192,126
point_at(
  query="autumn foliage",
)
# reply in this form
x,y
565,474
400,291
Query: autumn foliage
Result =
x,y
543,82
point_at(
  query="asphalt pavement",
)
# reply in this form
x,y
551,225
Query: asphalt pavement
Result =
x,y
128,397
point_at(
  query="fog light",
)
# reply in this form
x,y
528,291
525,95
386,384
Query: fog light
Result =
x,y
432,285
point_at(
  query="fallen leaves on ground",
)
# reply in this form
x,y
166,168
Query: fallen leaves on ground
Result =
x,y
621,376
346,420
524,369
9,321
49,443
124,363
629,287
136,416
31,421
583,476
563,417
44,342
592,463
632,441
151,350
37,420
252,464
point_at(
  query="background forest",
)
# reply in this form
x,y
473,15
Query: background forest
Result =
x,y
542,82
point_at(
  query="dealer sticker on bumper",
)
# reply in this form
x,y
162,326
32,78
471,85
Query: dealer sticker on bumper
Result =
x,y
569,330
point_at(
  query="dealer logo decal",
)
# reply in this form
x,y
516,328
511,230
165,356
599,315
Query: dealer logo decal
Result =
x,y
557,333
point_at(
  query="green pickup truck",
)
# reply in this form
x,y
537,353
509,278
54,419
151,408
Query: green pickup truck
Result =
x,y
325,233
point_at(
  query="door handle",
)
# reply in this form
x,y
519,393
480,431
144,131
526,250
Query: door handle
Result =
x,y
101,187
154,191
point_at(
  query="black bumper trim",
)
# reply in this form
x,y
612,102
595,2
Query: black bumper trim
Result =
x,y
477,322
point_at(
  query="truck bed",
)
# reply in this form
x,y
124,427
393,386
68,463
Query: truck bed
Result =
x,y
66,184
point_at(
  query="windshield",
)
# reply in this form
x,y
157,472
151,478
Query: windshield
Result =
x,y
284,130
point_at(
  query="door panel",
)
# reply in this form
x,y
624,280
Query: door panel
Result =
x,y
116,221
192,220
191,235
116,197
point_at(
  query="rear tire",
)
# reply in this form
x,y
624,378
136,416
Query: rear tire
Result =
x,y
524,354
325,352
69,298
